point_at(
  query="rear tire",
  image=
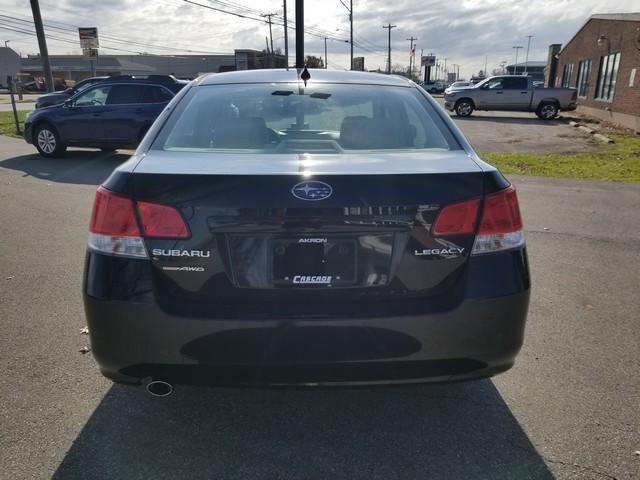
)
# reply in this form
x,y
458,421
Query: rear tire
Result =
x,y
547,111
48,142
464,108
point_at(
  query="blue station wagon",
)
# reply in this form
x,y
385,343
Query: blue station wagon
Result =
x,y
109,115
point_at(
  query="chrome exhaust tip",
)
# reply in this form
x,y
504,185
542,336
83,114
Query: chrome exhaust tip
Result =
x,y
158,388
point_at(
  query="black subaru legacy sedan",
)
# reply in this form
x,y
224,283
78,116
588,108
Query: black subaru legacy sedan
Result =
x,y
275,231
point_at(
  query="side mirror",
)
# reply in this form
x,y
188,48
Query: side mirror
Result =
x,y
68,90
68,103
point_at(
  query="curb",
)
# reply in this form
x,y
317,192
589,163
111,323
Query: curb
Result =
x,y
602,138
598,136
590,131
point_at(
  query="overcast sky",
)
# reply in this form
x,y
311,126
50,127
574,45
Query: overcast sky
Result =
x,y
463,31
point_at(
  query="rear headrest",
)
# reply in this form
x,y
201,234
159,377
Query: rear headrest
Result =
x,y
248,132
360,132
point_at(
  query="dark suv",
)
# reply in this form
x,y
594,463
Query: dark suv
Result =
x,y
114,113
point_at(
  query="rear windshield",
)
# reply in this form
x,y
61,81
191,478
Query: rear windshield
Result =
x,y
281,118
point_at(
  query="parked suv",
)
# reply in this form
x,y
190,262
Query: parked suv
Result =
x,y
114,113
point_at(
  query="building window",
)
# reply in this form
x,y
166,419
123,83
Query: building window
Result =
x,y
567,71
582,83
607,73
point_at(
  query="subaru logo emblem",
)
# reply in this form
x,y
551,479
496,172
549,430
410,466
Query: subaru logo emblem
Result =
x,y
312,191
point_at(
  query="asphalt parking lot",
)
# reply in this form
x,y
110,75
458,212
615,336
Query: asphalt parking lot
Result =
x,y
521,132
569,409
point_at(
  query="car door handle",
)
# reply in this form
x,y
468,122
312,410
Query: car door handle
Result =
x,y
498,93
138,110
97,114
524,93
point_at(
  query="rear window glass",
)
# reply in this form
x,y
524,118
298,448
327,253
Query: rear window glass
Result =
x,y
327,118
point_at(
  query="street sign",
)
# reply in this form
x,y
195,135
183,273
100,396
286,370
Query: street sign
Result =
x,y
428,61
88,37
90,53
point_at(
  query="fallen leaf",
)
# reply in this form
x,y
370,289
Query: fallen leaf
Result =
x,y
84,350
84,331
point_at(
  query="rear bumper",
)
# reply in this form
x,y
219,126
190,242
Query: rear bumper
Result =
x,y
479,338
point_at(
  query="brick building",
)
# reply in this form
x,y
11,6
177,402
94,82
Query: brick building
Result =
x,y
602,61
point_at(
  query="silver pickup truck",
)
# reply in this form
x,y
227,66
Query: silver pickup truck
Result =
x,y
512,93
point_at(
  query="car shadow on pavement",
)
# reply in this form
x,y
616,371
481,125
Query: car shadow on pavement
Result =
x,y
454,431
509,120
77,166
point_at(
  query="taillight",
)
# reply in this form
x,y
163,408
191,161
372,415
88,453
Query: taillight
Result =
x,y
114,227
113,214
501,223
457,218
161,221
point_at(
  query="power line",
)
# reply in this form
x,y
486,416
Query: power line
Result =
x,y
314,31
108,37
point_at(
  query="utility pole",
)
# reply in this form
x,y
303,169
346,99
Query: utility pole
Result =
x,y
42,43
351,30
445,71
269,15
411,54
485,67
515,66
350,10
286,35
389,27
325,52
526,59
299,33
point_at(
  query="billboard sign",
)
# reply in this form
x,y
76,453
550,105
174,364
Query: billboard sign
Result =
x,y
358,64
90,53
428,61
88,37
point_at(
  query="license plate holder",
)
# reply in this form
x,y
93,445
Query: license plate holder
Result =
x,y
307,261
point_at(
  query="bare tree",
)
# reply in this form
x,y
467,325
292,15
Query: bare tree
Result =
x,y
313,62
398,69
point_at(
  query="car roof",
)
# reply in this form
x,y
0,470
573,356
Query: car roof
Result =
x,y
290,75
155,79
